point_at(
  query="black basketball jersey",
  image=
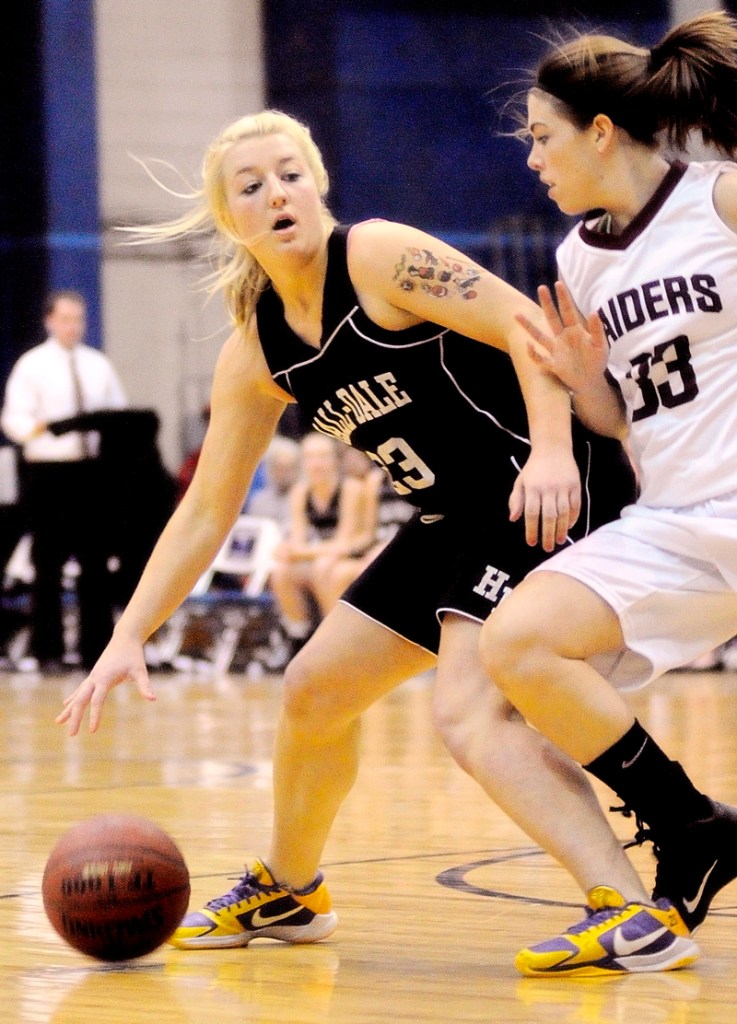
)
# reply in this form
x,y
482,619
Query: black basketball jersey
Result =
x,y
442,413
323,522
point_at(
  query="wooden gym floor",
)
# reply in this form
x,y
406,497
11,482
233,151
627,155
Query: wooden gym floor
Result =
x,y
435,888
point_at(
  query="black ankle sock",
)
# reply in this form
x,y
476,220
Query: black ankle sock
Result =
x,y
650,784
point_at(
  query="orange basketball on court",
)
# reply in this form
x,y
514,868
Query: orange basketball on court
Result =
x,y
115,886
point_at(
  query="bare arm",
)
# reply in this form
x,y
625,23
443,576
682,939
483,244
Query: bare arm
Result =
x,y
725,198
245,409
403,277
576,351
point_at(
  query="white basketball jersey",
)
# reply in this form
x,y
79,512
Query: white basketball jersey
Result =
x,y
666,290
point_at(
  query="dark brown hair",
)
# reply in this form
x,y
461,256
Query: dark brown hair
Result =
x,y
62,293
688,81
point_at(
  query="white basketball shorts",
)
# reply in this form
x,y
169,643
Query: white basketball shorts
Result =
x,y
670,575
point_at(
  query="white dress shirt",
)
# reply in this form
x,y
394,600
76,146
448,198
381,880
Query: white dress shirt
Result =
x,y
40,390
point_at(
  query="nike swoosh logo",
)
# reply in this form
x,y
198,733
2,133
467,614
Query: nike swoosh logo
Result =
x,y
258,920
628,764
691,905
626,947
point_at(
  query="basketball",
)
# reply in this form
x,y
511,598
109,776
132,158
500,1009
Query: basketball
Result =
x,y
115,886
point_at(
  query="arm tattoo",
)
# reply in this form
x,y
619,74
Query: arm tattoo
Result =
x,y
436,275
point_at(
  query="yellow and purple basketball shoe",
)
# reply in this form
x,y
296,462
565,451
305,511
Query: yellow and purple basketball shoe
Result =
x,y
259,907
615,938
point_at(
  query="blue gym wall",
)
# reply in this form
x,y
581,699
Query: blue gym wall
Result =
x,y
406,101
72,239
49,223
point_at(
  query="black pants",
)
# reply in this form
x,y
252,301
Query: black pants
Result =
x,y
66,515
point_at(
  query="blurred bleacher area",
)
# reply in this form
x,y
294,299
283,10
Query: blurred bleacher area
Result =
x,y
522,254
410,102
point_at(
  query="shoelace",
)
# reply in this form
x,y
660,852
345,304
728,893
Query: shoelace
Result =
x,y
594,918
643,833
663,872
247,888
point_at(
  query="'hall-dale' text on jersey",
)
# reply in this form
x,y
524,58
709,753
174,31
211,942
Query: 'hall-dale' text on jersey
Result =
x,y
442,413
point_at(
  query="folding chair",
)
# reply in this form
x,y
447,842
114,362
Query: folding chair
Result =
x,y
245,557
229,607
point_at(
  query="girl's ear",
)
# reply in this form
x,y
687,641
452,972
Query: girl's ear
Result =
x,y
603,128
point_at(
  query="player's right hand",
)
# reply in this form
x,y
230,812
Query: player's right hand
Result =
x,y
122,660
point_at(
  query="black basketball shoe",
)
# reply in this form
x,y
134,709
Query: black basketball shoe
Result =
x,y
696,862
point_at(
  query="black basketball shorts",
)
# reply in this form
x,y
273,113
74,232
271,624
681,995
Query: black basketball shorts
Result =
x,y
443,564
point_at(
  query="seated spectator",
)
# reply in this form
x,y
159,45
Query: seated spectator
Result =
x,y
281,470
325,519
383,512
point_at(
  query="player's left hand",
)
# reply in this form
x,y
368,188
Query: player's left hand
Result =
x,y
547,493
576,349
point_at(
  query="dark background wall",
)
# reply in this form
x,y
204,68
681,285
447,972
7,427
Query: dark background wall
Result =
x,y
23,268
403,98
406,99
72,239
49,223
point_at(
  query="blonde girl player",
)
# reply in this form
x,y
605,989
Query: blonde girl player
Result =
x,y
399,345
644,335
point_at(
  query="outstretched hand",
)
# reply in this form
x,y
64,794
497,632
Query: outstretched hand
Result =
x,y
575,350
547,493
120,661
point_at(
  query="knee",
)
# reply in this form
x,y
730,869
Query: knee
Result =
x,y
445,712
472,725
309,702
322,576
300,695
453,725
512,650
